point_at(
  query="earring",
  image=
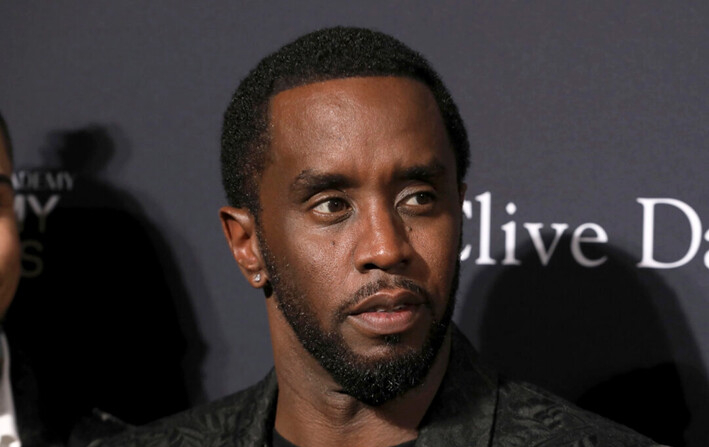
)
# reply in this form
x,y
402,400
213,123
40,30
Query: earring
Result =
x,y
257,277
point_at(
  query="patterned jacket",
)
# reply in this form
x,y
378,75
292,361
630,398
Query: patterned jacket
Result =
x,y
473,407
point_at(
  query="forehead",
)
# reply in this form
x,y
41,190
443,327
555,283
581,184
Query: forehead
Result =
x,y
349,118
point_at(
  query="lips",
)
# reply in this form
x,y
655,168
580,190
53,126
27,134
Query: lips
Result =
x,y
387,309
387,312
386,301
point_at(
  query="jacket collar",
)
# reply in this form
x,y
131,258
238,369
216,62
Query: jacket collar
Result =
x,y
462,413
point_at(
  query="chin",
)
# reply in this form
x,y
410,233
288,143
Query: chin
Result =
x,y
387,348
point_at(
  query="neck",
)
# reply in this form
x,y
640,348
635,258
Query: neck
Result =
x,y
312,411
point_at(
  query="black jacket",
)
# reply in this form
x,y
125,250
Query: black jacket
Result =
x,y
473,407
38,427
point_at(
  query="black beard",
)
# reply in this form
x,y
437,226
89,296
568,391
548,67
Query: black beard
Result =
x,y
371,381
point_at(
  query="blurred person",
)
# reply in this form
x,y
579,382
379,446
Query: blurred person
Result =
x,y
9,278
22,424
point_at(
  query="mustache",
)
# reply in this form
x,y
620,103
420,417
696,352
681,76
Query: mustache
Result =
x,y
382,284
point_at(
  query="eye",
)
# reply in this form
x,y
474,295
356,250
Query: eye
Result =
x,y
419,199
418,203
331,206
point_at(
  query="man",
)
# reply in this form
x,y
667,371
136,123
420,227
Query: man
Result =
x,y
9,278
343,158
23,423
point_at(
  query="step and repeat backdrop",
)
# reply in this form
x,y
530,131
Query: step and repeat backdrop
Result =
x,y
585,257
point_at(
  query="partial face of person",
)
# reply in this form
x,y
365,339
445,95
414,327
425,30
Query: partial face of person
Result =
x,y
360,228
9,239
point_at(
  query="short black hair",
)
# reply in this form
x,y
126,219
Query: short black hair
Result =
x,y
5,136
331,53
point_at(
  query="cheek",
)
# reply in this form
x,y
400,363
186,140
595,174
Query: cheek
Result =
x,y
321,259
437,247
314,262
307,248
9,263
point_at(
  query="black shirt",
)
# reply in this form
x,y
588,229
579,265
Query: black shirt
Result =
x,y
280,441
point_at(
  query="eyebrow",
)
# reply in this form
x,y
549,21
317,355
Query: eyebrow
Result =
x,y
424,173
310,182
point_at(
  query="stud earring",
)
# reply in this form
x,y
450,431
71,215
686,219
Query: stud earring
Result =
x,y
257,277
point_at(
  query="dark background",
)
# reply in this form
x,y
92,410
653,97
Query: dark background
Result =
x,y
574,109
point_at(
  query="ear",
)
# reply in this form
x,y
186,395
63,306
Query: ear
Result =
x,y
239,227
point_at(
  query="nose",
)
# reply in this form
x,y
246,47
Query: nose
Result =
x,y
383,243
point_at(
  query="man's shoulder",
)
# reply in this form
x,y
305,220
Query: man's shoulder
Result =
x,y
477,406
237,419
528,415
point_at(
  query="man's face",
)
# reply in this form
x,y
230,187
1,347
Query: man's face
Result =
x,y
360,227
9,239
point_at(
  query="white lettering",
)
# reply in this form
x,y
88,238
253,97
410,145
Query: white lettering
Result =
x,y
534,232
68,181
32,264
510,229
648,257
42,211
577,238
485,200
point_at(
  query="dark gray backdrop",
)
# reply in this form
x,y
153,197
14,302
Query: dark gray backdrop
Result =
x,y
575,110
